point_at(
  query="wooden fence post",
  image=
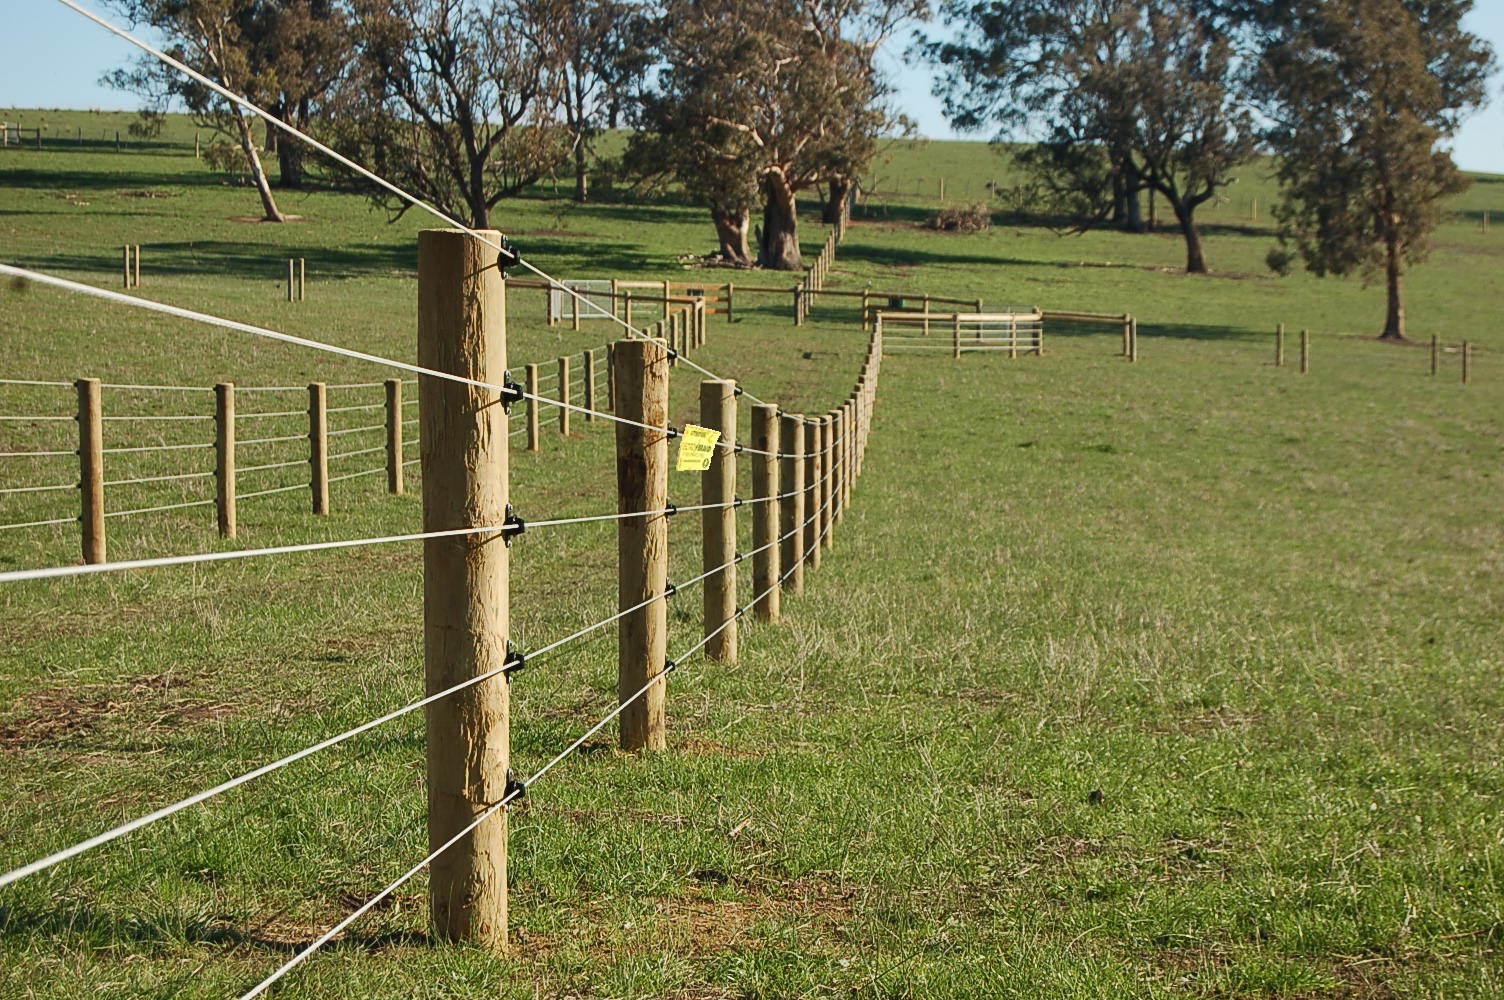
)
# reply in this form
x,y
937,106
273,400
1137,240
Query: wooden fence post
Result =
x,y
718,523
302,279
291,280
91,468
318,446
587,360
394,467
798,299
1132,342
838,464
926,314
530,377
611,378
574,302
955,337
811,530
730,293
626,306
791,507
1127,335
1467,361
827,536
866,308
1435,354
136,267
564,394
1305,352
642,542
462,331
224,457
765,489
1279,345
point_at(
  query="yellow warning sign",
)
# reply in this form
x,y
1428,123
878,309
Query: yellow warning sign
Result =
x,y
697,448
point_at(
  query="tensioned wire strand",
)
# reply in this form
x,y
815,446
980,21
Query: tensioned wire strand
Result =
x,y
411,199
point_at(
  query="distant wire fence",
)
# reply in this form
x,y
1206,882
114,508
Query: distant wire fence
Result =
x,y
247,452
803,471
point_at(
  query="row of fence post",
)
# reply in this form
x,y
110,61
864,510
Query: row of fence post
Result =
x,y
1465,349
91,453
802,475
814,279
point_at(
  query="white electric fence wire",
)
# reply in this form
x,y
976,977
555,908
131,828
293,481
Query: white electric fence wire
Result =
x,y
272,465
38,524
351,409
362,451
278,489
41,489
356,385
192,416
356,430
161,388
356,475
31,381
279,413
411,199
153,510
159,479
32,454
34,420
151,447
272,440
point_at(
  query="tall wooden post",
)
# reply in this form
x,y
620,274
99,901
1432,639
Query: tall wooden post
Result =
x,y
811,532
136,267
1132,341
564,393
463,429
827,481
765,561
291,279
626,307
1305,352
838,464
730,294
1127,335
1279,345
125,266
926,314
224,457
1435,354
574,302
587,360
955,337
531,378
302,279
91,468
642,542
791,507
718,523
394,467
611,378
318,446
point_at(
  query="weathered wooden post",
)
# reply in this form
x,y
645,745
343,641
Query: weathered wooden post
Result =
x,y
955,337
810,533
224,457
91,468
791,507
798,300
136,267
394,467
302,279
530,377
926,314
574,302
564,393
626,306
291,279
1305,352
837,462
587,400
765,490
125,266
718,521
1279,345
730,294
462,331
827,481
318,446
611,378
1127,335
642,541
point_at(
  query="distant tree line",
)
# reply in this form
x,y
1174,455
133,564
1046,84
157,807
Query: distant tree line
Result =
x,y
1113,101
746,104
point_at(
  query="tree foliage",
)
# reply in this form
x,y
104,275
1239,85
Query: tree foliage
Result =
x,y
452,100
1124,96
761,100
1360,93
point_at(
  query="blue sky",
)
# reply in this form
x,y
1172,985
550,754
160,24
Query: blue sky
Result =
x,y
54,58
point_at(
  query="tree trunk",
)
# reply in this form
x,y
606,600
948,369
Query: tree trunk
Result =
x,y
1394,324
1195,252
581,180
269,209
778,248
840,190
290,166
1132,212
731,232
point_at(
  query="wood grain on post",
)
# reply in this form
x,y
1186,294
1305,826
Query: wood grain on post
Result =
x,y
1279,345
530,378
1305,352
587,360
718,523
564,394
394,467
642,542
318,446
463,429
791,507
765,559
91,468
224,457
811,530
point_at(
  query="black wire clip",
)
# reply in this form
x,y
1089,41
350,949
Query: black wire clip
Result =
x,y
672,354
669,666
670,509
737,390
737,501
511,392
515,789
671,432
736,449
670,589
512,526
514,662
508,257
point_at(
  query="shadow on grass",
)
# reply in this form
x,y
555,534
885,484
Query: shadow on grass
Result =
x,y
102,180
1203,331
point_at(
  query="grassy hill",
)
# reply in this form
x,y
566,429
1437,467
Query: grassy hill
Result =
x,y
1171,679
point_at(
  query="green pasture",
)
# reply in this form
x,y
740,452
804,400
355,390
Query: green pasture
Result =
x,y
1176,679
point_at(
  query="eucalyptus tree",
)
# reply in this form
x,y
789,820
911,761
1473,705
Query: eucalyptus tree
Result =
x,y
1362,94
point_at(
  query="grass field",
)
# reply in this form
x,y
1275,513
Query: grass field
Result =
x,y
1177,679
